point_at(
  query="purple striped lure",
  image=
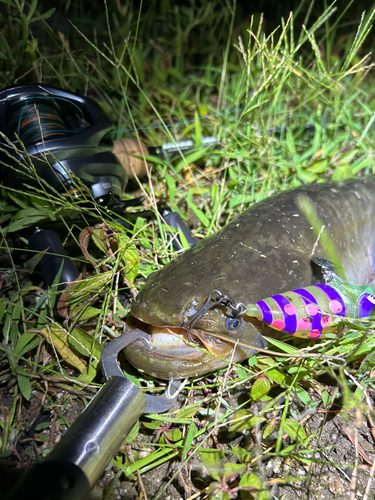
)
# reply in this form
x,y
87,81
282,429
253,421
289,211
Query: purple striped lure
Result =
x,y
311,312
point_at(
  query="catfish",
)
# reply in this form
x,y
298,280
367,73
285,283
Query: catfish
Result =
x,y
266,250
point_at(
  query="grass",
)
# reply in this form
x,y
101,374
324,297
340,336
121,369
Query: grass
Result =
x,y
290,106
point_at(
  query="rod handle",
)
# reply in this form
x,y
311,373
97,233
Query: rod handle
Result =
x,y
53,259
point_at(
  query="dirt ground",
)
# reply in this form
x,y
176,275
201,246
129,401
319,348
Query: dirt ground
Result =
x,y
342,452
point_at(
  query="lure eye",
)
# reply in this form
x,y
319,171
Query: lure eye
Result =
x,y
234,323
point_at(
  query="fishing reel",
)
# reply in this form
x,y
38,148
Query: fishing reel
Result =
x,y
50,139
53,136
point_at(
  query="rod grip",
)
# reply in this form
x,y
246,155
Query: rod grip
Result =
x,y
175,220
126,151
53,259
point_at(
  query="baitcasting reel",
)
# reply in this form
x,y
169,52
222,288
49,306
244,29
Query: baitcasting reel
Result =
x,y
58,136
49,138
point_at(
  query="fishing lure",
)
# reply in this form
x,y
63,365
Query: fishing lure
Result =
x,y
312,311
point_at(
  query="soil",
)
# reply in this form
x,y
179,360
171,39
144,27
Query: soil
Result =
x,y
337,470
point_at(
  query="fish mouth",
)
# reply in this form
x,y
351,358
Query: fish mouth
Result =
x,y
175,352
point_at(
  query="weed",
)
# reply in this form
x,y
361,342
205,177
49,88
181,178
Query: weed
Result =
x,y
289,105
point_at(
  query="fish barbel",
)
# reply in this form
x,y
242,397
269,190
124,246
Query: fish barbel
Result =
x,y
267,250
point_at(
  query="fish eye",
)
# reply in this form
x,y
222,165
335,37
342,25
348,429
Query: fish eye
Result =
x,y
234,323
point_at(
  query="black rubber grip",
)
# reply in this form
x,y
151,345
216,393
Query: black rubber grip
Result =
x,y
174,220
54,258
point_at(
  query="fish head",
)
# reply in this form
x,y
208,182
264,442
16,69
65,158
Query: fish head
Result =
x,y
181,347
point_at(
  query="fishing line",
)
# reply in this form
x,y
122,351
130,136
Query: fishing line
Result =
x,y
177,124
50,124
40,118
277,131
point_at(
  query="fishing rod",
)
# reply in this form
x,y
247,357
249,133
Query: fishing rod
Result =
x,y
67,136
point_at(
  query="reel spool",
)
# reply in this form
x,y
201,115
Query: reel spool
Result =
x,y
55,134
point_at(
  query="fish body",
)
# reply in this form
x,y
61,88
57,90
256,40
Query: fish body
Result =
x,y
265,251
